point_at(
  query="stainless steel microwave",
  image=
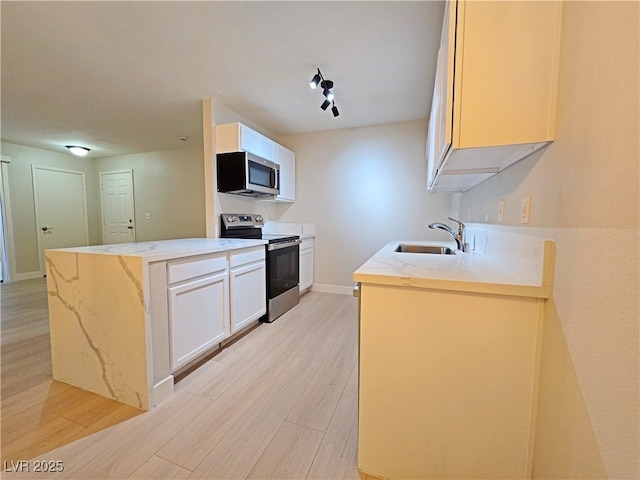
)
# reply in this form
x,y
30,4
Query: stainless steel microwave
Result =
x,y
243,173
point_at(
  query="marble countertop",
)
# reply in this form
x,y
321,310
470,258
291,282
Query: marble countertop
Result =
x,y
168,249
466,272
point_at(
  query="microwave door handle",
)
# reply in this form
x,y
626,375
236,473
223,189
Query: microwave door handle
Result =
x,y
277,179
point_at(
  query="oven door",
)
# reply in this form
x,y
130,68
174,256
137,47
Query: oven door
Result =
x,y
282,267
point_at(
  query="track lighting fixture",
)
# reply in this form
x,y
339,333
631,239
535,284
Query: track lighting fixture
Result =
x,y
78,151
326,85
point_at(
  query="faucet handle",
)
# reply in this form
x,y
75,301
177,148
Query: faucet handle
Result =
x,y
460,224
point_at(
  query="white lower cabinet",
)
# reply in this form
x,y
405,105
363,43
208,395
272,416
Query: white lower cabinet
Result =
x,y
208,299
306,264
248,287
198,307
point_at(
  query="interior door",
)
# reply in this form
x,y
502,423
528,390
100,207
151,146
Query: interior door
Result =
x,y
117,207
61,209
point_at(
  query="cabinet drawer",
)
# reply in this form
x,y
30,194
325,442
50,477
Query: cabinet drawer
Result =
x,y
249,255
180,270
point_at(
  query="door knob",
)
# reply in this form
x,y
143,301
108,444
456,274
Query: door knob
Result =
x,y
130,227
44,229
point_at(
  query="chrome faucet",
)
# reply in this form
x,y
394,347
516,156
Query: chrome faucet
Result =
x,y
458,237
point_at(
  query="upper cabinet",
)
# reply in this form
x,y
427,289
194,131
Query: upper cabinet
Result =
x,y
235,137
494,99
287,161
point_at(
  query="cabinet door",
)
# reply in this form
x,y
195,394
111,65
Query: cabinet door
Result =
x,y
287,161
198,316
250,140
306,264
267,148
431,142
248,294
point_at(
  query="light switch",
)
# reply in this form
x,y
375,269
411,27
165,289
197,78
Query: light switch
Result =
x,y
147,216
500,211
526,208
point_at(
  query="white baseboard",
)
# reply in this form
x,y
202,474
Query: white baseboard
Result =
x,y
339,289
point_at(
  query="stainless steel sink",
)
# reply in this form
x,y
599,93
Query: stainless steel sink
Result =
x,y
433,249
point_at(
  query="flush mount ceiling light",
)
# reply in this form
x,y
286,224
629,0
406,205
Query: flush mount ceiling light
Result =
x,y
78,151
326,85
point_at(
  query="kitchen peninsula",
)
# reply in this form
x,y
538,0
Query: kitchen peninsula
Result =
x,y
124,318
449,354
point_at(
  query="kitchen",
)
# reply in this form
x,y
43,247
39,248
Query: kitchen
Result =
x,y
587,416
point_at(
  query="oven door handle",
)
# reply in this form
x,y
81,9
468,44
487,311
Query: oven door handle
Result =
x,y
278,246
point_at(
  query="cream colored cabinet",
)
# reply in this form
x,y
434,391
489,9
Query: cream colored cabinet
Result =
x,y
248,286
494,100
234,137
287,161
447,383
198,304
306,264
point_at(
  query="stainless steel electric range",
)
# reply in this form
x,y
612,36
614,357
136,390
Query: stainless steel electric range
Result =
x,y
282,257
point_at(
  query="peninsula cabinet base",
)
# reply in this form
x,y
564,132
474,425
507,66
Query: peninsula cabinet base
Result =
x,y
448,383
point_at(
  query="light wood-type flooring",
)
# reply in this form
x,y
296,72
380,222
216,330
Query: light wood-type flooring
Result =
x,y
281,402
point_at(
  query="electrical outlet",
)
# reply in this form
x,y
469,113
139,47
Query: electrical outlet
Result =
x,y
500,211
147,216
526,208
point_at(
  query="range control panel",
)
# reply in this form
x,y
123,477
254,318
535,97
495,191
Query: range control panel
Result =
x,y
238,220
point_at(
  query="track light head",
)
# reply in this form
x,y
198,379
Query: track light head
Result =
x,y
334,109
315,80
328,94
325,104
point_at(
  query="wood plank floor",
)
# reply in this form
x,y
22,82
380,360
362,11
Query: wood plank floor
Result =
x,y
281,402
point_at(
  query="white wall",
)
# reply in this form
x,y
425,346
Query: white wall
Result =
x,y
585,197
169,186
362,187
24,242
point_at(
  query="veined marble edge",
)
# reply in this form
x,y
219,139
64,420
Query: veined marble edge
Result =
x,y
535,291
153,254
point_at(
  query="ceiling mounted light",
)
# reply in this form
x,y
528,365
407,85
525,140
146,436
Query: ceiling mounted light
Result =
x,y
326,85
78,151
315,80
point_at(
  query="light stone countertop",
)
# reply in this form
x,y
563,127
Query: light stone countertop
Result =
x,y
168,249
464,272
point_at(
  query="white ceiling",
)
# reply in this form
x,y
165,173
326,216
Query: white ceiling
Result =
x,y
128,77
